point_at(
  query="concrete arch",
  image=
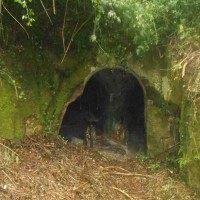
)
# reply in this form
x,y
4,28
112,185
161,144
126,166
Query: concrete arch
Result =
x,y
106,98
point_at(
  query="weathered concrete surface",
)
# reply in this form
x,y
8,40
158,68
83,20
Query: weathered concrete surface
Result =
x,y
36,90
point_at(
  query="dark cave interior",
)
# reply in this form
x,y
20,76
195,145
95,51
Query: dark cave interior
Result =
x,y
111,97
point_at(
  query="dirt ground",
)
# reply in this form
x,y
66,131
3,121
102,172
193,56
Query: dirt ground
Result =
x,y
44,167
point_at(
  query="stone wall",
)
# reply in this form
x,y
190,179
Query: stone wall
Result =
x,y
35,91
34,87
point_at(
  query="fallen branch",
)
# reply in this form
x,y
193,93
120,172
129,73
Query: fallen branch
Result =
x,y
124,193
129,174
115,167
9,178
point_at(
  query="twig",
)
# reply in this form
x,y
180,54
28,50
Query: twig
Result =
x,y
187,59
64,22
76,30
185,65
8,148
104,51
9,178
15,20
46,12
80,186
115,167
83,24
0,6
54,7
69,44
129,174
124,193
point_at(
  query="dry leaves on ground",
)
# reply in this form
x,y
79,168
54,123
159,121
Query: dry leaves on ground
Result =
x,y
46,167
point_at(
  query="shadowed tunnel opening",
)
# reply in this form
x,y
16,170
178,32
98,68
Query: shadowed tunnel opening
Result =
x,y
113,101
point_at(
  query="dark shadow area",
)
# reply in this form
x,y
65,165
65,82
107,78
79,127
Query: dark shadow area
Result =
x,y
113,101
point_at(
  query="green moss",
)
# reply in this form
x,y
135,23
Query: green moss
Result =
x,y
66,88
43,86
190,147
9,127
193,173
184,132
35,81
156,128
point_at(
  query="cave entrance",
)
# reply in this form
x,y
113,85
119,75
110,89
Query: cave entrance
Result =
x,y
113,100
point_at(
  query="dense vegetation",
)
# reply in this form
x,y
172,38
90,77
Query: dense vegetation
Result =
x,y
143,24
115,26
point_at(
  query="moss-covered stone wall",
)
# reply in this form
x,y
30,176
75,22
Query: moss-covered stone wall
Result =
x,y
35,90
34,87
190,141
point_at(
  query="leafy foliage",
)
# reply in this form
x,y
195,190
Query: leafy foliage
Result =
x,y
118,26
52,23
28,15
143,24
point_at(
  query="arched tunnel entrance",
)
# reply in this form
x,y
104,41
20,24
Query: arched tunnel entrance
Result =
x,y
113,100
